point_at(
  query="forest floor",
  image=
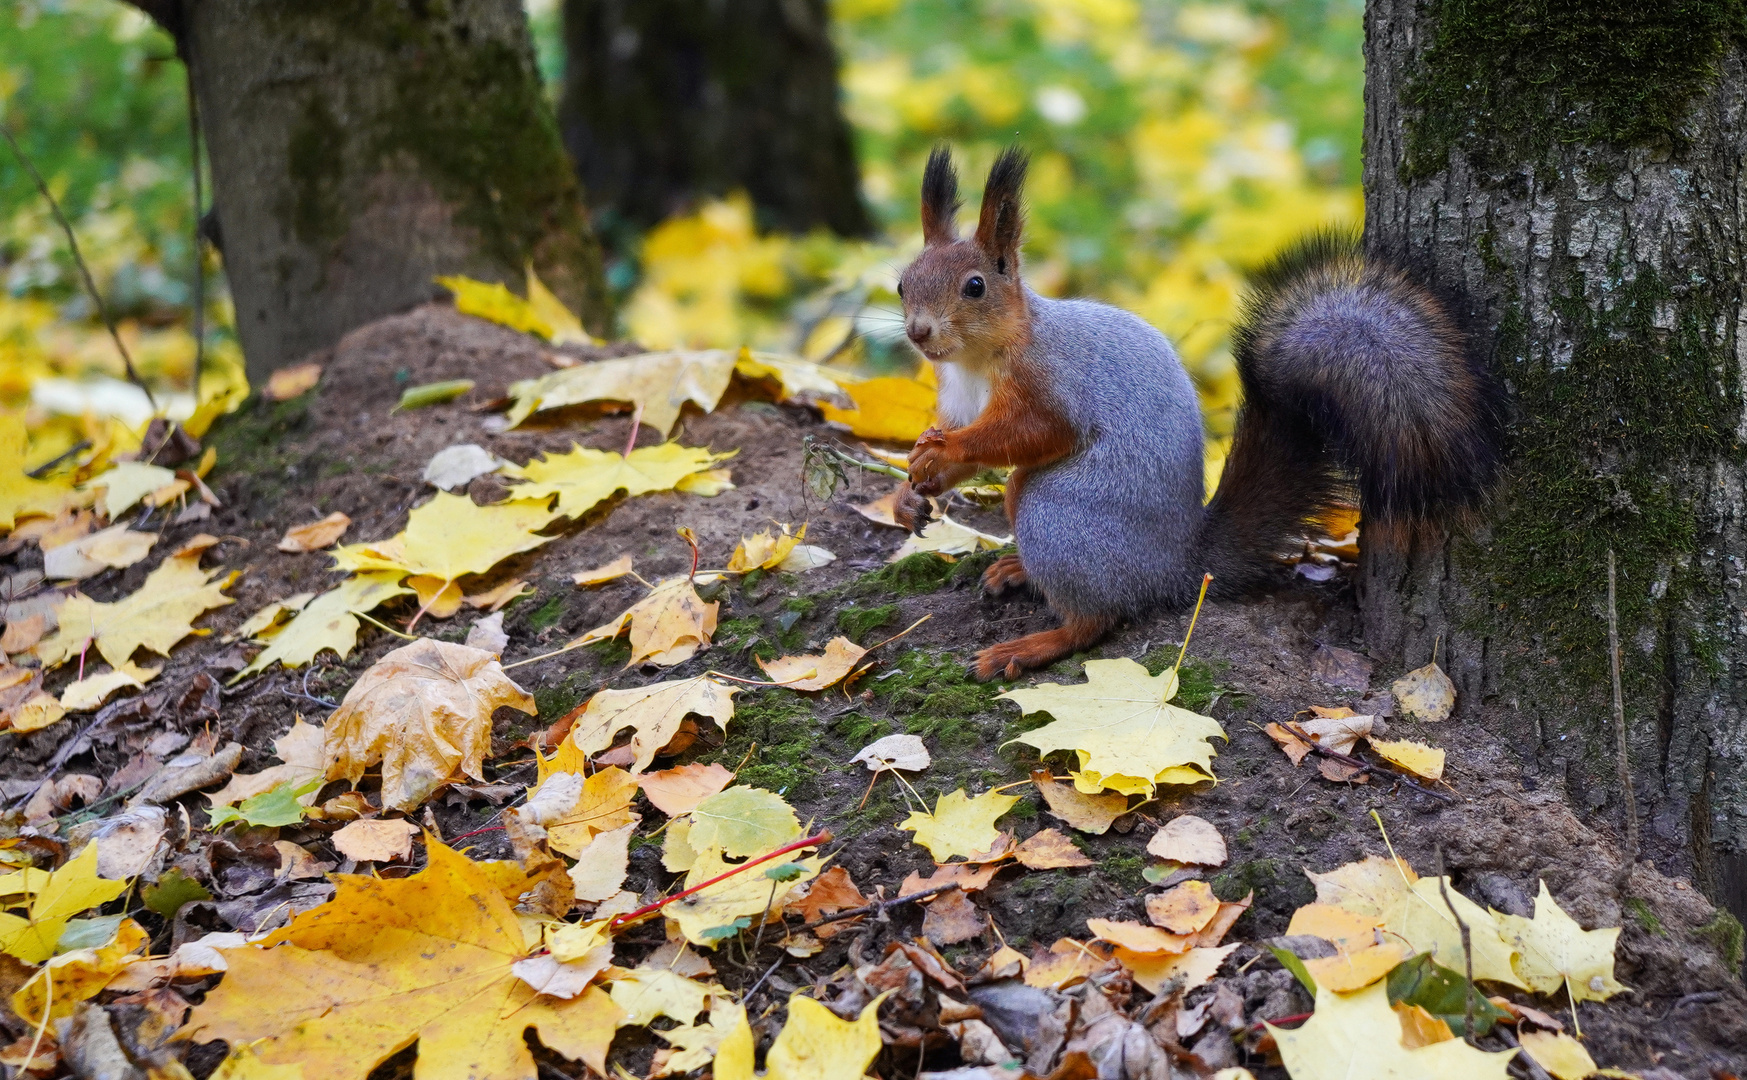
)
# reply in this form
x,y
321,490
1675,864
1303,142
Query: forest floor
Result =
x,y
1505,827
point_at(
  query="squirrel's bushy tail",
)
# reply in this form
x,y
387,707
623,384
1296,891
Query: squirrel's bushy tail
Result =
x,y
1354,378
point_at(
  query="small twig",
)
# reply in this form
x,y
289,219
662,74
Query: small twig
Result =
x,y
871,466
1467,951
43,470
1625,761
768,972
1292,728
758,939
821,837
79,259
1530,1064
878,907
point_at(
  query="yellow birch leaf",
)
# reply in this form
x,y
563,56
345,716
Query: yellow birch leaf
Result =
x,y
450,536
424,712
660,382
1415,757
53,899
654,712
667,627
1559,1054
604,573
960,825
1139,937
1425,694
815,672
743,821
316,535
1557,951
330,621
1184,909
583,478
154,617
1358,1037
1050,849
891,408
393,961
1120,721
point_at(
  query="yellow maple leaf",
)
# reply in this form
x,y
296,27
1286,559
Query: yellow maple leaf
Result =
x,y
77,975
891,408
1121,724
565,327
330,621
815,672
1371,887
1556,951
271,618
646,992
1415,757
84,695
389,962
667,627
960,825
451,536
127,484
583,478
742,821
491,301
659,382
765,549
1421,920
654,712
51,900
1347,971
796,377
20,495
814,1044
1358,1037
424,712
696,1043
155,616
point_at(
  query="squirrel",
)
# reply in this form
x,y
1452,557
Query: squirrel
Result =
x,y
1354,378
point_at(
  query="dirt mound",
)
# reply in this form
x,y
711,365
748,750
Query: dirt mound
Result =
x,y
342,447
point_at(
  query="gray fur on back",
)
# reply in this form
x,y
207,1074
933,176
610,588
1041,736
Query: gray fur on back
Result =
x,y
1107,530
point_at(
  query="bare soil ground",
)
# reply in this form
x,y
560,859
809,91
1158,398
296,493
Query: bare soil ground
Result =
x,y
341,448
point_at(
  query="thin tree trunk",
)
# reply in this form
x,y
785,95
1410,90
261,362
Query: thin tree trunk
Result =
x,y
358,149
1571,175
666,101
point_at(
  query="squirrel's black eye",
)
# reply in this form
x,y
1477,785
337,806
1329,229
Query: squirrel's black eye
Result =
x,y
974,287
900,290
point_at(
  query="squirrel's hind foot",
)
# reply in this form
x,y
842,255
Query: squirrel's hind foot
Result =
x,y
1009,658
1004,573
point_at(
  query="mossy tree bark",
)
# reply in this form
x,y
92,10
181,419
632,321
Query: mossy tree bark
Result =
x,y
1571,175
360,147
666,101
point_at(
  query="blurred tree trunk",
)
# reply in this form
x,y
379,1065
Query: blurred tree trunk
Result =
x,y
360,148
666,101
1571,177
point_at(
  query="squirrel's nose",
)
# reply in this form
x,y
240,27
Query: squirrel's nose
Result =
x,y
919,331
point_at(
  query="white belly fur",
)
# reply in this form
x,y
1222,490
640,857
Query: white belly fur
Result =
x,y
963,394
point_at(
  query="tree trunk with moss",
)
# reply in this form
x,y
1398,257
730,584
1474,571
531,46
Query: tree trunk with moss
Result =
x,y
1571,175
360,148
667,101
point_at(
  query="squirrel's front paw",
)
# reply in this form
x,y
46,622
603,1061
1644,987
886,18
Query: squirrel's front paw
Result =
x,y
911,509
928,462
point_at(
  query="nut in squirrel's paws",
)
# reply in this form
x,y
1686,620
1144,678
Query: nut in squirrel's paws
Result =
x,y
927,460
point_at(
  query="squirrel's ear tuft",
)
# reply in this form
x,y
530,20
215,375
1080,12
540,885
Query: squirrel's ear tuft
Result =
x,y
939,198
1003,220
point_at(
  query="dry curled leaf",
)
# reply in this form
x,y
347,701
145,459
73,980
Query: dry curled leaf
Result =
x,y
1188,839
654,713
424,712
377,840
906,752
1050,849
667,627
315,535
815,672
678,791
